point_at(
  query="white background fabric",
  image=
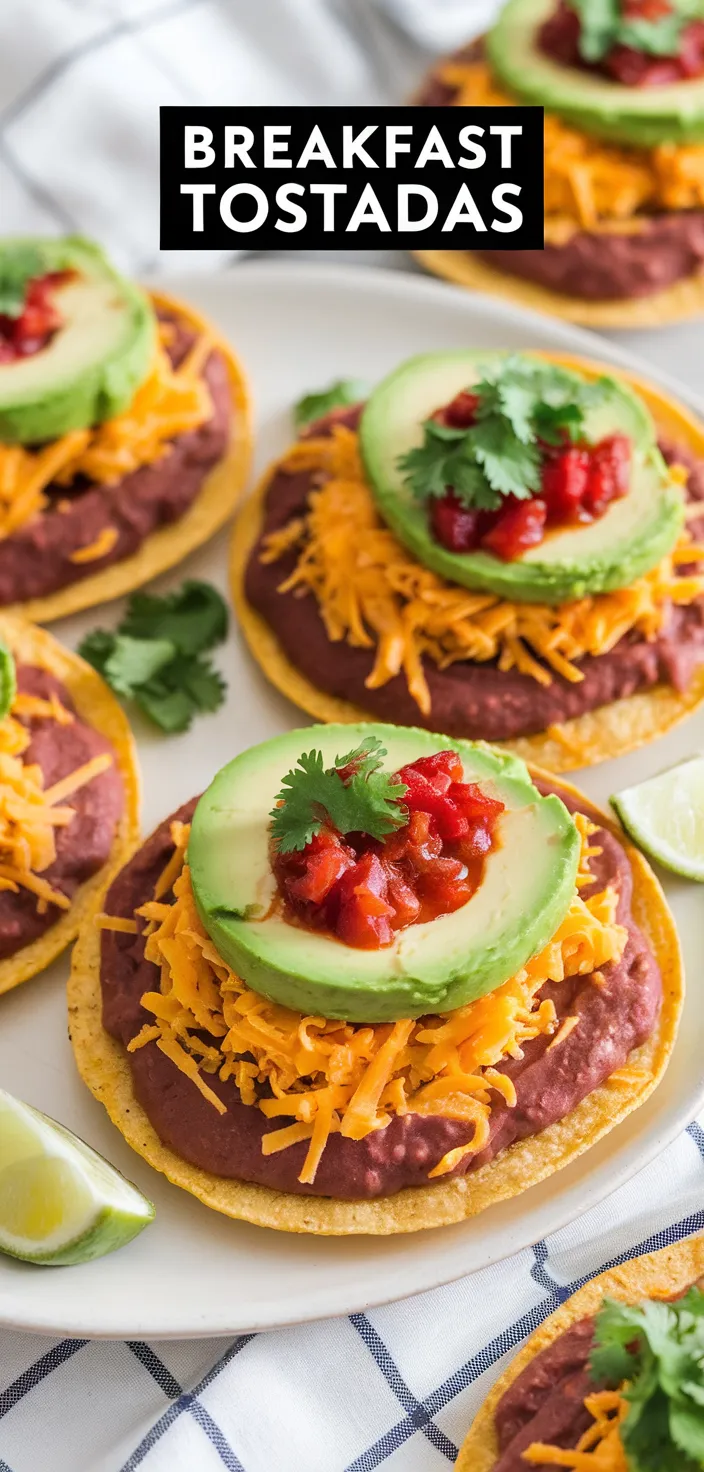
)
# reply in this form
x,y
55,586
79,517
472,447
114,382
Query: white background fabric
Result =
x,y
80,83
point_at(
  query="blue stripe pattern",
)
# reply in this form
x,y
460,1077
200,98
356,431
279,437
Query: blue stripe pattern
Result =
x,y
418,1414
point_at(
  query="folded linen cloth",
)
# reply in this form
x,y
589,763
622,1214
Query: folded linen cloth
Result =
x,y
394,1388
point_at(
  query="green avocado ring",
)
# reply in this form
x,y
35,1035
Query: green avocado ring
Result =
x,y
629,540
526,890
8,680
93,365
640,116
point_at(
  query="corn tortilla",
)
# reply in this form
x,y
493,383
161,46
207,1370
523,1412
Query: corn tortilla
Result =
x,y
677,303
168,546
609,731
97,706
659,1275
104,1066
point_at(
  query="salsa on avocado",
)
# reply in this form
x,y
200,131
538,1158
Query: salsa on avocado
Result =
x,y
578,484
363,888
646,43
510,459
26,331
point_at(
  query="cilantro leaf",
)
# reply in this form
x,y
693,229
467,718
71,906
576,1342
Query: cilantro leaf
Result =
x,y
658,1349
521,403
171,710
599,20
511,467
97,647
155,656
194,617
553,421
134,661
344,393
354,795
659,37
364,759
19,263
603,26
185,687
444,460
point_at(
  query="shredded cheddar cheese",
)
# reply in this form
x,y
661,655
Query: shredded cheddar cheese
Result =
x,y
372,592
324,1076
100,547
170,402
600,1449
590,184
29,812
125,924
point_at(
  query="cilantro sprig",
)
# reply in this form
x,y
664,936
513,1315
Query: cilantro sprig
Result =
x,y
658,1348
156,656
340,395
20,262
354,796
521,402
603,26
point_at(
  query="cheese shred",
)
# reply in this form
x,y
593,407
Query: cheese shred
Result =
x,y
319,1076
600,1449
101,546
29,812
372,592
170,402
589,184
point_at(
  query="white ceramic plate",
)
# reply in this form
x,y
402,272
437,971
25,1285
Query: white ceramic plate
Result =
x,y
297,327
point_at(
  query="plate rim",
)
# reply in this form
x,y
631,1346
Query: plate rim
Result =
x,y
576,1197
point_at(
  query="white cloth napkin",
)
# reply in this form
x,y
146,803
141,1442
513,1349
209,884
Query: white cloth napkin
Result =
x,y
80,82
395,1388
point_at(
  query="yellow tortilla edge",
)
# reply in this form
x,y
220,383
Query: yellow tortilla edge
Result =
x,y
212,507
104,1066
599,735
97,706
677,303
658,1275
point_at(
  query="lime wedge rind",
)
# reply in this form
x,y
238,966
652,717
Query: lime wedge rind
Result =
x,y
61,1202
665,817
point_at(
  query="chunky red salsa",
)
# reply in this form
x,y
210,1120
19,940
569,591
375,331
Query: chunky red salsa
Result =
x,y
560,39
363,889
39,319
579,482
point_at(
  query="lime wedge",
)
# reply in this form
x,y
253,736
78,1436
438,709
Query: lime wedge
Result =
x,y
60,1202
665,817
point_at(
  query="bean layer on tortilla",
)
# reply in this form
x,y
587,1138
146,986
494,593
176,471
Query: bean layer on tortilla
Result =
x,y
634,686
70,765
196,1128
540,1397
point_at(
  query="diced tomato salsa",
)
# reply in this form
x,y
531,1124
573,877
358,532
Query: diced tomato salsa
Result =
x,y
579,482
560,38
21,337
363,890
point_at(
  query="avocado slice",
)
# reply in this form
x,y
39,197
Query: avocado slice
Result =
x,y
632,536
643,116
8,680
94,363
525,893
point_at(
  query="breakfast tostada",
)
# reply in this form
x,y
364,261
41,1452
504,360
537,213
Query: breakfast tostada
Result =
x,y
374,980
124,432
622,84
499,546
69,795
611,1382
